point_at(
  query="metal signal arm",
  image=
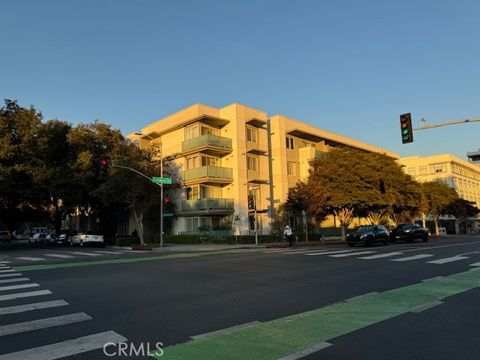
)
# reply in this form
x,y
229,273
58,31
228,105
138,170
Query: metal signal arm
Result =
x,y
424,125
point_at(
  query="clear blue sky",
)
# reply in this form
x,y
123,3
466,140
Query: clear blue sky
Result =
x,y
346,66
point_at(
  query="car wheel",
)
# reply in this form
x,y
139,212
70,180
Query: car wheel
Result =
x,y
425,239
81,243
385,242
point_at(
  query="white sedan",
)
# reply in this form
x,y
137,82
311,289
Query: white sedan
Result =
x,y
87,238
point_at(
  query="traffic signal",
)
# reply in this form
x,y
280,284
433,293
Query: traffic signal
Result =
x,y
251,202
406,128
103,169
168,206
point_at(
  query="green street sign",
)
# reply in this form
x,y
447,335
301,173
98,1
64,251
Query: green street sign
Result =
x,y
160,180
168,215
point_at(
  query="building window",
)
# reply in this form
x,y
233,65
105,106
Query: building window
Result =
x,y
411,171
192,224
289,142
191,132
251,134
252,163
192,162
209,131
422,170
291,168
438,168
192,193
209,161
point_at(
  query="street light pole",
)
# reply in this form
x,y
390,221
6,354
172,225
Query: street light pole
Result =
x,y
161,190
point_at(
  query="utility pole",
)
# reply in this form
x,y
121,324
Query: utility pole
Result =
x,y
161,204
255,217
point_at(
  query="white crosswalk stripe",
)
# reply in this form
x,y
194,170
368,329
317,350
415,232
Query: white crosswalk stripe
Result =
x,y
475,264
411,258
447,260
17,287
352,254
18,279
60,256
380,256
24,295
6,271
67,348
43,323
83,253
30,258
29,307
329,252
12,273
109,252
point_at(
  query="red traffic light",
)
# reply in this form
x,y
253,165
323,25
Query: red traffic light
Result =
x,y
103,162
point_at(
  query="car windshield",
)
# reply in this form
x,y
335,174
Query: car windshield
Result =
x,y
364,229
405,226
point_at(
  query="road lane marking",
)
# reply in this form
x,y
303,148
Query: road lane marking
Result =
x,y
414,257
13,280
225,331
7,271
45,323
273,339
109,252
426,306
30,258
29,307
67,348
10,275
352,254
83,253
16,287
475,264
60,256
306,352
329,252
379,256
447,260
24,295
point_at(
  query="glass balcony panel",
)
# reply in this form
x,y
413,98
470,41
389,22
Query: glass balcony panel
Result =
x,y
207,204
207,140
212,172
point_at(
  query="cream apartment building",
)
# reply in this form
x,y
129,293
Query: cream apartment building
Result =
x,y
461,175
222,155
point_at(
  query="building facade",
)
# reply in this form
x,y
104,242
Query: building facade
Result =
x,y
222,156
461,175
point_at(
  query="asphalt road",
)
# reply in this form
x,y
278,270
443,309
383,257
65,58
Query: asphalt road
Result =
x,y
337,302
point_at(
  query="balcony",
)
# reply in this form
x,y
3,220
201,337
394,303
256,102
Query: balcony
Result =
x,y
208,175
209,144
207,207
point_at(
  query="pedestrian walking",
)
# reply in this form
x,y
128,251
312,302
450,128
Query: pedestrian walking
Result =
x,y
288,233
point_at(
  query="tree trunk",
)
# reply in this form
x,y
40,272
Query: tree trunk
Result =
x,y
437,230
424,220
342,227
139,222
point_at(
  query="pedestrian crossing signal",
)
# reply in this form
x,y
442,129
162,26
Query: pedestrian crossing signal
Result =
x,y
251,202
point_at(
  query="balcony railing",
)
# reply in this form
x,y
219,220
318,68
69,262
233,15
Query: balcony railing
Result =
x,y
208,141
207,205
215,173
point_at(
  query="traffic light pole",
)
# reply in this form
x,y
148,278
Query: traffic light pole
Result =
x,y
256,220
161,203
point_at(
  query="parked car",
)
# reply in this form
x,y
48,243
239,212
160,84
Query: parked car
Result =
x,y
37,237
409,232
368,235
87,238
5,236
65,237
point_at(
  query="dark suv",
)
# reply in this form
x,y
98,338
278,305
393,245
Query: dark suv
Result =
x,y
409,232
368,235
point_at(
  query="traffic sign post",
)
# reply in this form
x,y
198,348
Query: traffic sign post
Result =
x,y
161,180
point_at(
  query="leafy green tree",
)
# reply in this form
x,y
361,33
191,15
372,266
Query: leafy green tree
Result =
x,y
19,164
463,210
437,197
